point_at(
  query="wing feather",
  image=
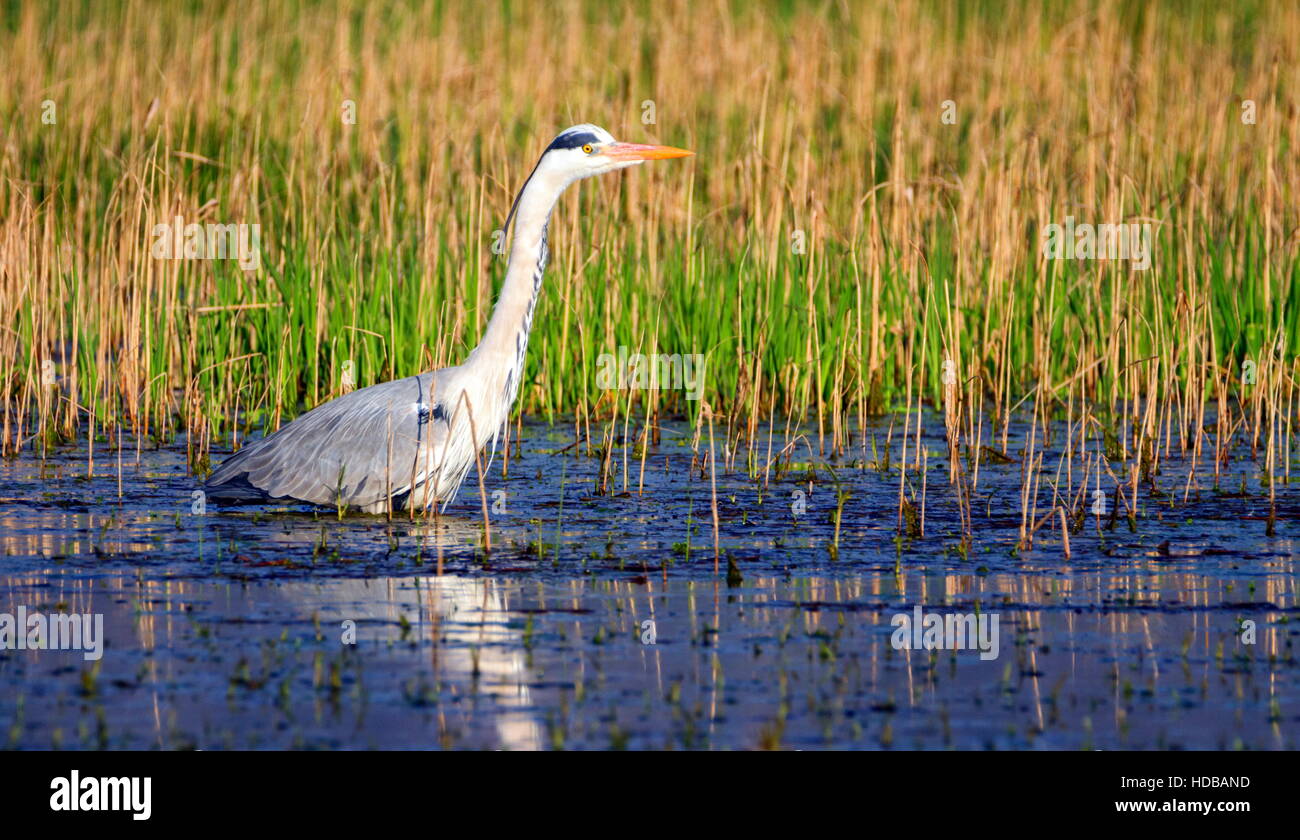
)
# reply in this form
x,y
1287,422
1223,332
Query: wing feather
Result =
x,y
352,450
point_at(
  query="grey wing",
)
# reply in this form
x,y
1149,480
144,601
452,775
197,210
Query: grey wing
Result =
x,y
361,449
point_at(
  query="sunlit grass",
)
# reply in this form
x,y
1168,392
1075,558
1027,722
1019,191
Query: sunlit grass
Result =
x,y
813,122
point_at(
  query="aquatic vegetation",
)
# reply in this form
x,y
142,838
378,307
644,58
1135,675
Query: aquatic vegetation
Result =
x,y
861,232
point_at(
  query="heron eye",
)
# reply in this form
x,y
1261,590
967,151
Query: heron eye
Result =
x,y
586,149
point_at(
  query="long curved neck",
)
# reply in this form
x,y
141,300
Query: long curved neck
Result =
x,y
499,358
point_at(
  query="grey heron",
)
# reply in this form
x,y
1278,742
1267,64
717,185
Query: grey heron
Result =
x,y
410,442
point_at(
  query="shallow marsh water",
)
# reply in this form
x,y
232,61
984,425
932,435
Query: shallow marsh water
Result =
x,y
228,628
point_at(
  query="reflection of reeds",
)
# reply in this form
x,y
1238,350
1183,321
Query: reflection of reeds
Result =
x,y
920,238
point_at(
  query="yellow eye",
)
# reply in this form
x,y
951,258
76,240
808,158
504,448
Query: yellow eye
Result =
x,y
586,149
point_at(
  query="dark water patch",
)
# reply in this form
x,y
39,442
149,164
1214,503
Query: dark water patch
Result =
x,y
290,627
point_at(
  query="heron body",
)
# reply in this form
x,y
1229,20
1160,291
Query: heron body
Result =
x,y
411,442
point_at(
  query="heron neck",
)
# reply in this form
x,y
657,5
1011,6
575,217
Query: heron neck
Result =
x,y
499,356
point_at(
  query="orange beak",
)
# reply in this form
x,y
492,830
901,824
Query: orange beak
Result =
x,y
639,151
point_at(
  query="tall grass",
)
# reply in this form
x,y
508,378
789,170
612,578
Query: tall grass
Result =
x,y
814,123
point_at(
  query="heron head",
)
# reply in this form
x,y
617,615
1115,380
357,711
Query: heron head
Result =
x,y
581,152
586,150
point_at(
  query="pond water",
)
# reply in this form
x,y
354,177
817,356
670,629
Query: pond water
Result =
x,y
599,619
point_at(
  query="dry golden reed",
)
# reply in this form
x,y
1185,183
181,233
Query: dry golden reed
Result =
x,y
860,231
